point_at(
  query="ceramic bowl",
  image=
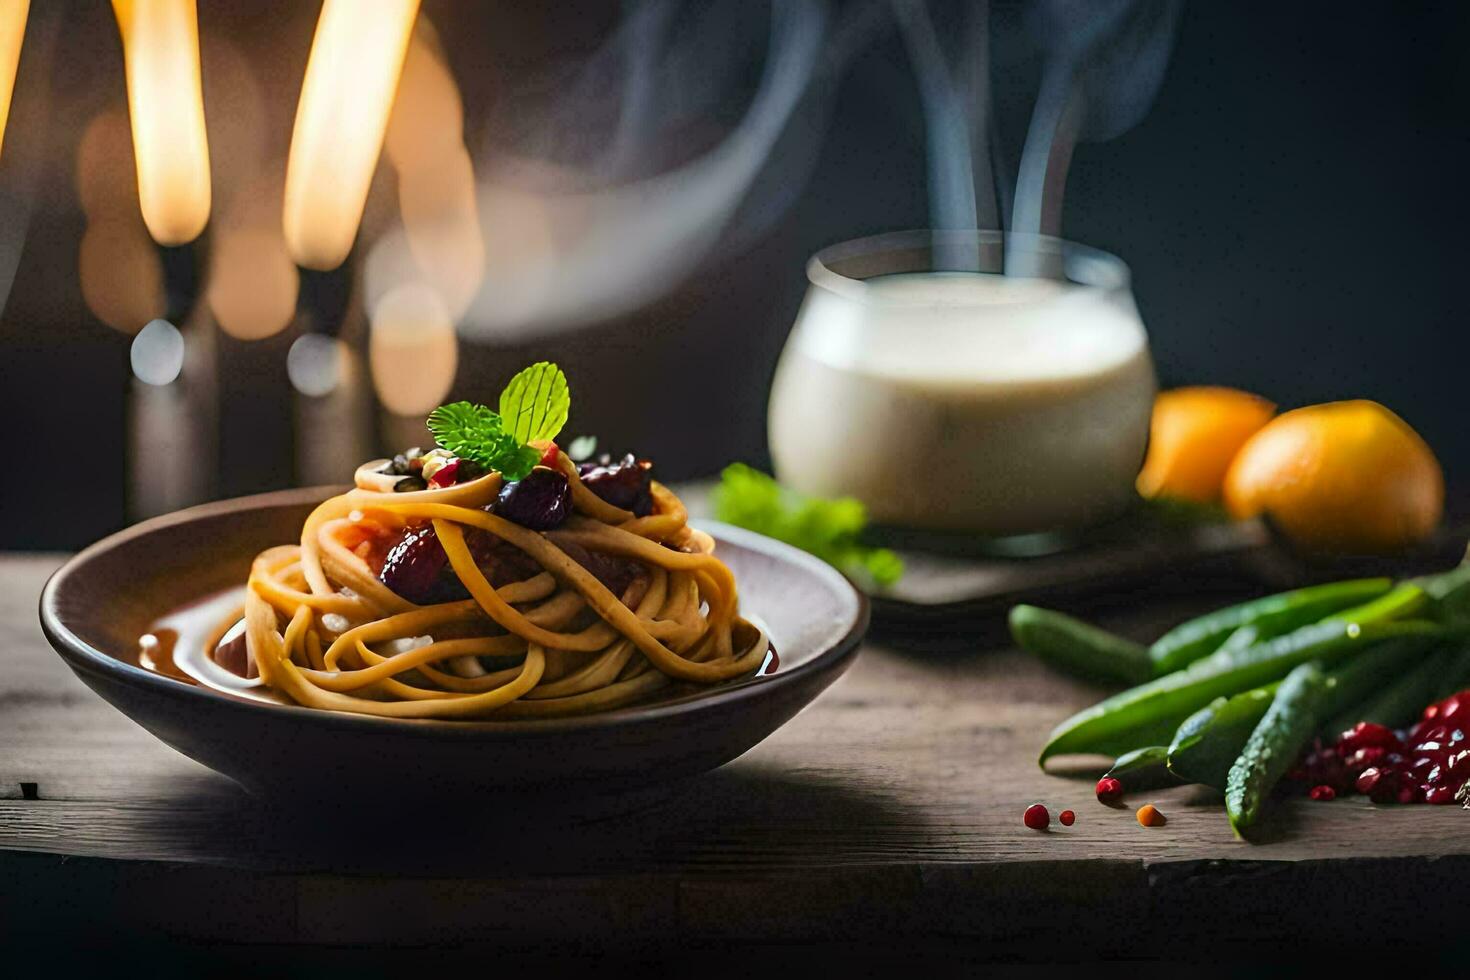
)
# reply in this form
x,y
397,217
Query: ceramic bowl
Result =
x,y
95,608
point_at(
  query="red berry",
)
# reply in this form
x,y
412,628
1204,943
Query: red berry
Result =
x,y
549,457
1109,790
415,567
446,474
1036,817
1366,734
1368,755
1368,780
1438,795
1323,793
1067,817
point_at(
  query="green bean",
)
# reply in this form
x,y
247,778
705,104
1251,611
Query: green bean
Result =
x,y
1274,745
1144,768
1395,704
1080,648
1400,602
1272,615
1150,713
1449,592
1209,741
1246,636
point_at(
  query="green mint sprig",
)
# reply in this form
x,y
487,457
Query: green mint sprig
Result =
x,y
536,401
829,529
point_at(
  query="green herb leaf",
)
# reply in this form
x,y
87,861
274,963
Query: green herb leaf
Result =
x,y
476,432
829,529
535,403
581,448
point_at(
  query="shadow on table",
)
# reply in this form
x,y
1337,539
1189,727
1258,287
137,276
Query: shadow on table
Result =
x,y
741,812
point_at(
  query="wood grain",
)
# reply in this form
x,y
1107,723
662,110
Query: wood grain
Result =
x,y
891,807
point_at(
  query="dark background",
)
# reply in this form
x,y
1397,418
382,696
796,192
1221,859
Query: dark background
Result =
x,y
1292,209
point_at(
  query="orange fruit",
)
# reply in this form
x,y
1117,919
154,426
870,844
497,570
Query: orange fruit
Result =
x,y
1194,435
1345,477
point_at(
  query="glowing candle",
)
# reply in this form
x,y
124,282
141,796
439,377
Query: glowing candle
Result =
x,y
166,105
351,77
12,30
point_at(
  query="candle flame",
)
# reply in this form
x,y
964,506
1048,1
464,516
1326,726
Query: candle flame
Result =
x,y
12,30
166,105
346,96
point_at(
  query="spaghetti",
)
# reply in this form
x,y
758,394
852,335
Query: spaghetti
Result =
x,y
443,603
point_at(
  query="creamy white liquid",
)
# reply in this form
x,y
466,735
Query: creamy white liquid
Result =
x,y
965,401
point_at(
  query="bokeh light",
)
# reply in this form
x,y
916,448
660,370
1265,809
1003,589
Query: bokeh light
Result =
x,y
166,107
13,14
314,364
121,274
351,76
118,264
105,181
437,195
412,350
253,283
157,354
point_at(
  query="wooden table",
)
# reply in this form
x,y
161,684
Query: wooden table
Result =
x,y
886,817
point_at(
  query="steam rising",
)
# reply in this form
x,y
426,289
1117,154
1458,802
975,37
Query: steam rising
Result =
x,y
603,250
1105,60
581,224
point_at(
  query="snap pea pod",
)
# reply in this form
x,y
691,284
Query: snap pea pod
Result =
x,y
1402,601
1150,713
1273,615
1395,704
1144,768
1070,644
1209,741
1398,603
1449,592
1274,745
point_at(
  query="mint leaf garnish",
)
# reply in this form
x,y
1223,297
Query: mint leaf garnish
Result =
x,y
477,433
535,403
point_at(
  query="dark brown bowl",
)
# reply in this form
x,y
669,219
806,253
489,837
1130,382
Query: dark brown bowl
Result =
x,y
97,605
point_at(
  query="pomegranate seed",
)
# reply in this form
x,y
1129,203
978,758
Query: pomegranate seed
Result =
x,y
1422,764
549,457
1366,734
1109,790
1149,816
1368,755
446,474
1453,706
1439,795
1036,817
1323,793
1067,817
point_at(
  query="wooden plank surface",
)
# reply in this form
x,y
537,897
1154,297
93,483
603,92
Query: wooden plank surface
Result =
x,y
891,806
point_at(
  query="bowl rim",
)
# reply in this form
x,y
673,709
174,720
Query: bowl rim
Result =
x,y
81,655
